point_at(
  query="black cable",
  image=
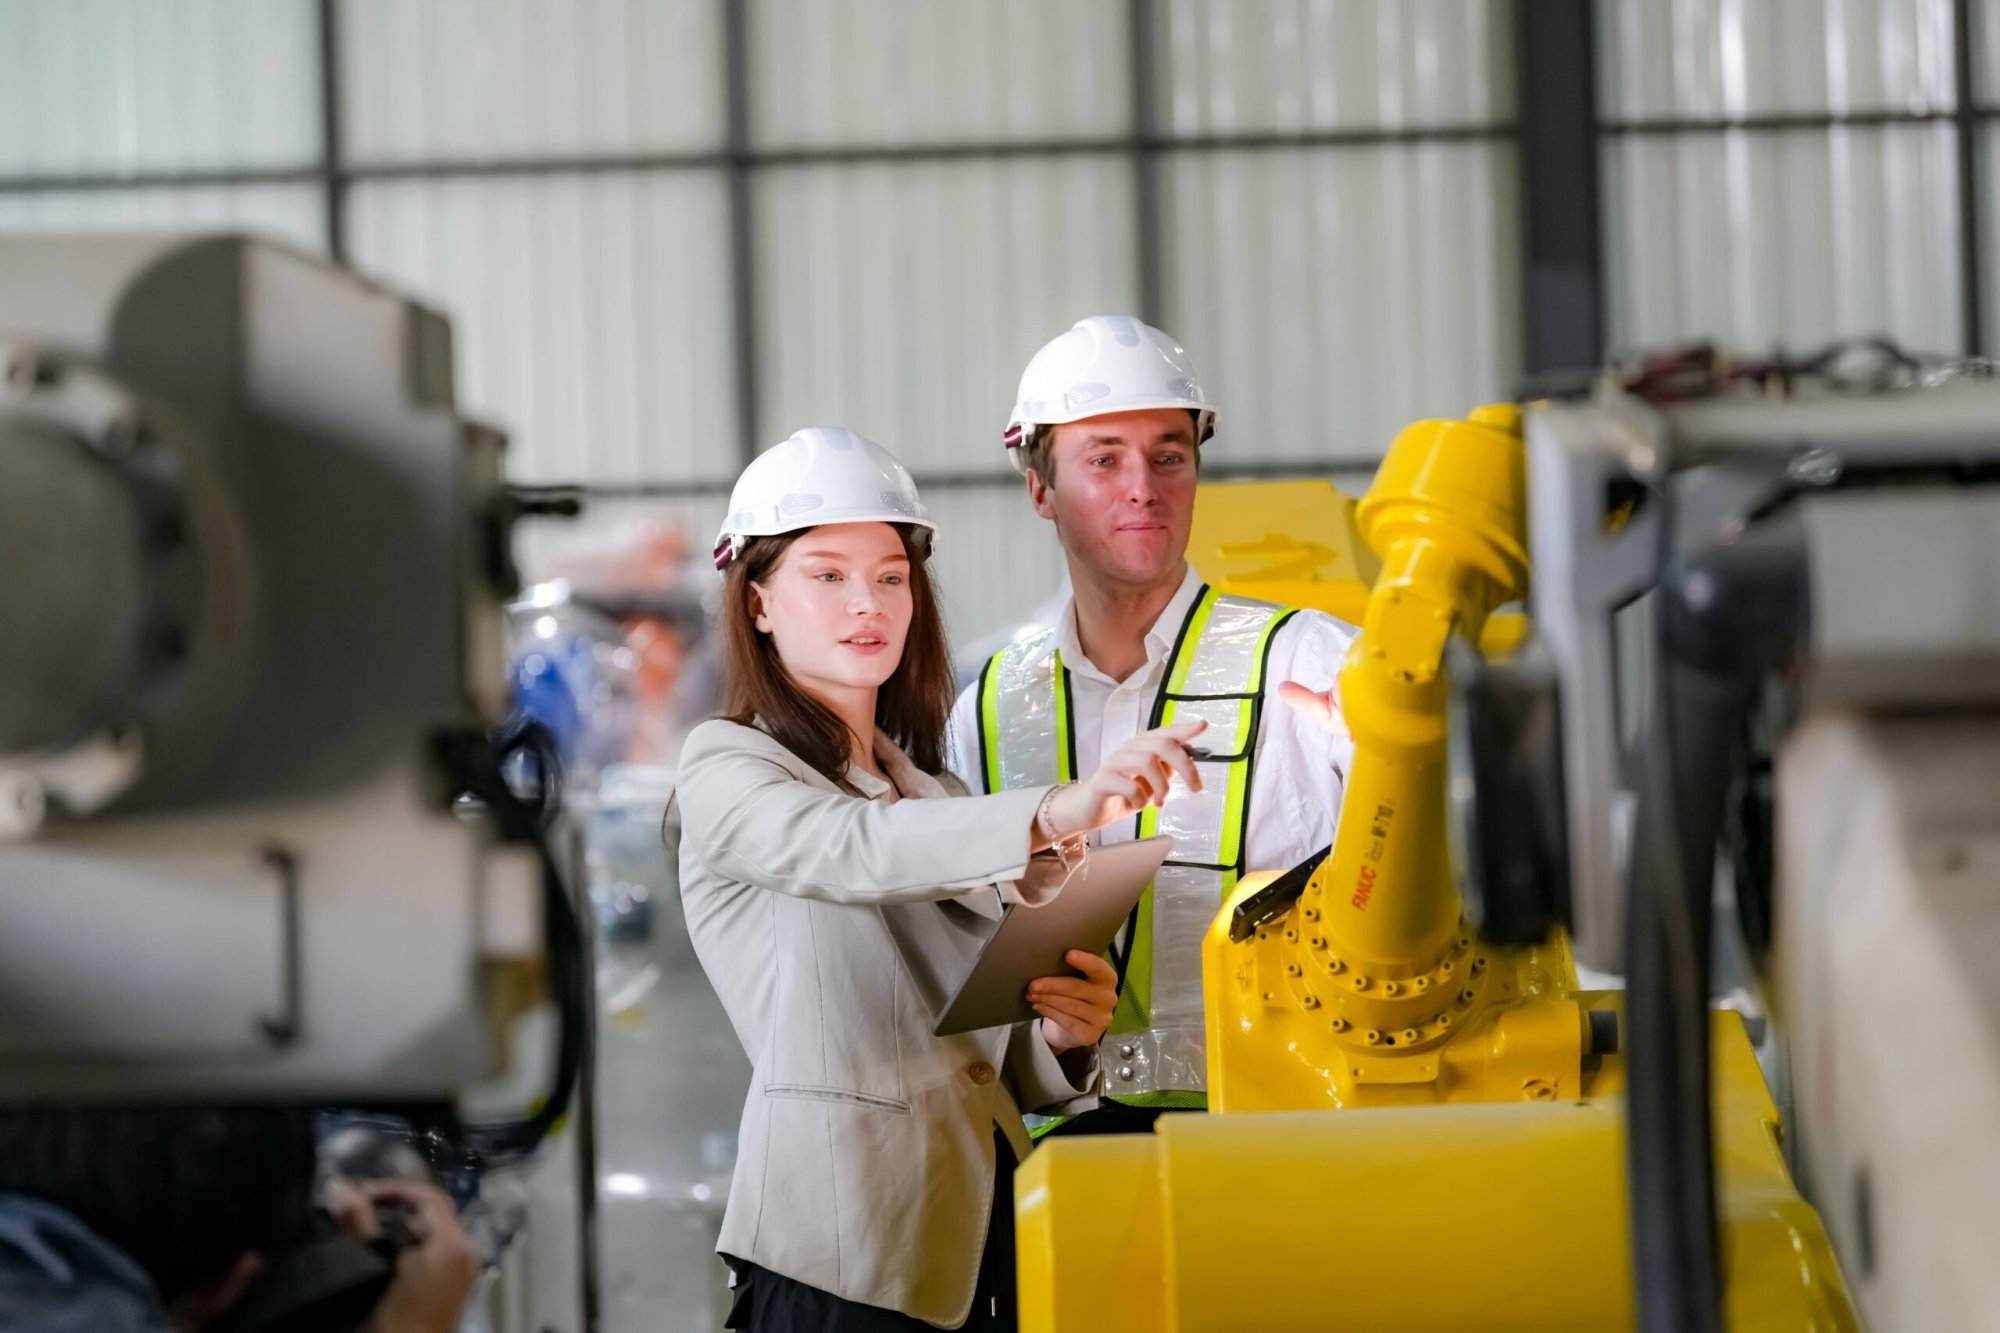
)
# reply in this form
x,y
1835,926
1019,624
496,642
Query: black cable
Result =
x,y
479,763
1669,1131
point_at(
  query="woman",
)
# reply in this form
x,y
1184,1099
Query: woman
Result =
x,y
834,901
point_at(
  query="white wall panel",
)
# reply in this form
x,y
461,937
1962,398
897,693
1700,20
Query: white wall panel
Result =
x,y
1989,222
1240,66
902,300
131,85
501,78
936,71
591,312
291,213
1986,41
1797,236
996,560
1330,296
1750,57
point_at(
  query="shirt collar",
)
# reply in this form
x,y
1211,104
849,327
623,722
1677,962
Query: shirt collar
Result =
x,y
904,777
1159,638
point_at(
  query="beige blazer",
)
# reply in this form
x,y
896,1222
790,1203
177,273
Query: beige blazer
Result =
x,y
834,928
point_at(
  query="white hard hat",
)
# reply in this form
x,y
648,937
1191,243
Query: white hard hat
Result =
x,y
822,474
1104,364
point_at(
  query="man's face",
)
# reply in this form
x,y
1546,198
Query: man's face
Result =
x,y
1123,496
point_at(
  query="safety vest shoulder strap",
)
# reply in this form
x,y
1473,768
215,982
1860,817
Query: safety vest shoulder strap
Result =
x,y
1027,726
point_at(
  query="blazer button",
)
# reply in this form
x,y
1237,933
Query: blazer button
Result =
x,y
981,1073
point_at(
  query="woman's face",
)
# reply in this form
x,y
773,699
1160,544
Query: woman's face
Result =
x,y
837,606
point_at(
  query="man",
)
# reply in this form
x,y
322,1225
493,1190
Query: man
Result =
x,y
1108,429
159,1220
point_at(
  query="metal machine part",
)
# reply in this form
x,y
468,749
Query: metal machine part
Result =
x,y
254,565
1505,787
1833,557
1888,884
1601,478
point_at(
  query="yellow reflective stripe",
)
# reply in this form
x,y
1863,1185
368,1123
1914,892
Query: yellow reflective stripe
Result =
x,y
989,720
1177,674
1065,743
1174,1100
1135,1001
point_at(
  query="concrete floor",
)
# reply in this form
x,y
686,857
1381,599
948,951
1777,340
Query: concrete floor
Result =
x,y
671,1080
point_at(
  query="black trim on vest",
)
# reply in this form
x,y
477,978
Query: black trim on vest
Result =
x,y
1257,721
1173,656
979,712
1069,719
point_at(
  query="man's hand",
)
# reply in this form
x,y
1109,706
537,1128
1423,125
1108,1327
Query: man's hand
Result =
x,y
1076,1010
1320,707
434,1274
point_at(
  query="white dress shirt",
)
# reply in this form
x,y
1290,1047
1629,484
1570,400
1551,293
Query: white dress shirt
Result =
x,y
1301,767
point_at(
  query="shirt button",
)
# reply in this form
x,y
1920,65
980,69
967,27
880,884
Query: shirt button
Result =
x,y
980,1073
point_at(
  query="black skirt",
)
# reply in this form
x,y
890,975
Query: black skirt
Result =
x,y
767,1302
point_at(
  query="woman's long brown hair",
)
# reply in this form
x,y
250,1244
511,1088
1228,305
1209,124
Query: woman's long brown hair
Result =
x,y
911,707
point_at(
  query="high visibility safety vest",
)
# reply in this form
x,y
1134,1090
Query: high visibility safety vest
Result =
x,y
1155,1050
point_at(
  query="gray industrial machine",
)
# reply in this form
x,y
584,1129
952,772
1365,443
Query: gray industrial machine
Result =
x,y
251,568
1765,674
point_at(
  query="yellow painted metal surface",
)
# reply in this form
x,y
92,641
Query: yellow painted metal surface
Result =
x,y
1292,1025
1290,542
1493,1217
1295,543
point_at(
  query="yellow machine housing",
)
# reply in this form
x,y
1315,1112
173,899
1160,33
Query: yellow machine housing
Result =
x,y
1477,1178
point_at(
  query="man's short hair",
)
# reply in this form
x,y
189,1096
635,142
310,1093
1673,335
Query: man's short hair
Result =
x,y
184,1191
1038,451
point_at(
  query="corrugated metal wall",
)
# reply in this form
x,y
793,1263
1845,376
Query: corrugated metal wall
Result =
x,y
936,71
118,85
424,80
1757,57
293,213
1986,86
932,188
1333,294
1236,66
902,299
592,312
1794,235
1756,237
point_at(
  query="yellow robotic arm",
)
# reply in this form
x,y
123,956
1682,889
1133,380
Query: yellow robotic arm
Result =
x,y
1371,989
1481,1184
